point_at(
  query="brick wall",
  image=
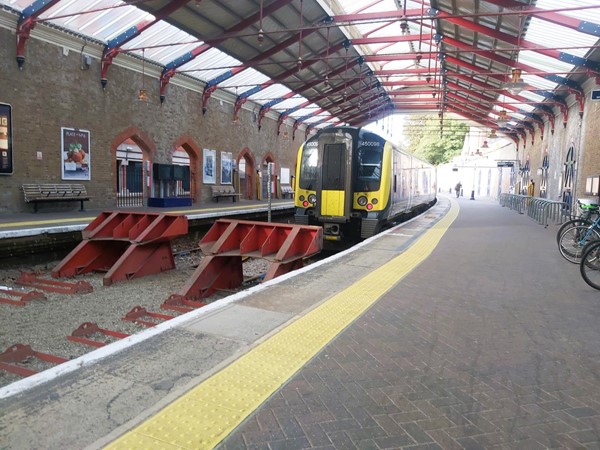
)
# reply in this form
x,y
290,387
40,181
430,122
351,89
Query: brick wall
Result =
x,y
52,91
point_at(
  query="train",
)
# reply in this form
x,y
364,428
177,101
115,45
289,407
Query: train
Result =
x,y
354,183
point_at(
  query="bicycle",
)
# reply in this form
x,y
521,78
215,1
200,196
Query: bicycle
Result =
x,y
589,212
575,238
590,264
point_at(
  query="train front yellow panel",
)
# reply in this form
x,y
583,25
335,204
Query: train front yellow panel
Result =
x,y
332,203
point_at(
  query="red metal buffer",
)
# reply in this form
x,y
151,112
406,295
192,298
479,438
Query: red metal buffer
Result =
x,y
139,313
126,245
62,287
21,297
228,241
84,333
22,354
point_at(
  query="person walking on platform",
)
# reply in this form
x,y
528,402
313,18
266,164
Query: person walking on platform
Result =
x,y
457,188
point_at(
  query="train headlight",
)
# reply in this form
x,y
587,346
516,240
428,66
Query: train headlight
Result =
x,y
312,198
374,201
302,198
362,200
369,206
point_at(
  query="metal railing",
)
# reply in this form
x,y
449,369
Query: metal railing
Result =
x,y
515,202
539,209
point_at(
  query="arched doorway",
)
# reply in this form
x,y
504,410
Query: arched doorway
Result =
x,y
246,163
186,156
132,151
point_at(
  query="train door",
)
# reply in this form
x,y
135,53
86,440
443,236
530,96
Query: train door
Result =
x,y
334,198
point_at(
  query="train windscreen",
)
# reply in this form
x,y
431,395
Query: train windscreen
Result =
x,y
309,166
369,161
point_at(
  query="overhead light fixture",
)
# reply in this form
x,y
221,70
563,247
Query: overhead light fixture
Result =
x,y
143,93
502,119
404,26
516,83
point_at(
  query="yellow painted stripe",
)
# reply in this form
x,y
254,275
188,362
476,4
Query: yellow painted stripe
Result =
x,y
209,412
88,219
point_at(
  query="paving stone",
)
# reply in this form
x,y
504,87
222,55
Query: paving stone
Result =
x,y
289,444
315,435
457,360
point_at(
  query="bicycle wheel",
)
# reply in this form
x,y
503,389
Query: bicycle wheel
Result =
x,y
590,264
573,240
571,223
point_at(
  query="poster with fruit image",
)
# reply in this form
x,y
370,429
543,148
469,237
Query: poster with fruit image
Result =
x,y
75,145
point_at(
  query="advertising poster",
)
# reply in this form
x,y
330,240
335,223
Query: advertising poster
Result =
x,y
226,167
209,166
6,154
76,157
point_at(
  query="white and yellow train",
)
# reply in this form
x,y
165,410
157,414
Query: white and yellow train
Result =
x,y
355,183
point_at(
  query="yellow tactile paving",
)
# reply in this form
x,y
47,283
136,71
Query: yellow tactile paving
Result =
x,y
208,413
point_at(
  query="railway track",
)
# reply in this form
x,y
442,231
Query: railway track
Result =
x,y
69,325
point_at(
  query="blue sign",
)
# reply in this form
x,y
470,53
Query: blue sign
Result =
x,y
596,95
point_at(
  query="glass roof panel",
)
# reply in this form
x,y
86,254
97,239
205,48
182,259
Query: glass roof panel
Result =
x,y
209,64
108,19
272,92
246,79
290,103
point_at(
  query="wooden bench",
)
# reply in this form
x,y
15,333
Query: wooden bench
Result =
x,y
39,193
224,191
286,190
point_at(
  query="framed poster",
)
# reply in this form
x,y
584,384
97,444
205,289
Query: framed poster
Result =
x,y
226,167
209,166
6,152
75,148
284,178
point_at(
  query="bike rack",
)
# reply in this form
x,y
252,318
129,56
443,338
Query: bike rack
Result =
x,y
138,312
126,245
62,287
19,353
85,330
23,297
229,241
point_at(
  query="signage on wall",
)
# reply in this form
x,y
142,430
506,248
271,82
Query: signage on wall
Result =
x,y
596,95
75,150
6,147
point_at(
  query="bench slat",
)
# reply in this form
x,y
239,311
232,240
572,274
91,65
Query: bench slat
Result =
x,y
46,192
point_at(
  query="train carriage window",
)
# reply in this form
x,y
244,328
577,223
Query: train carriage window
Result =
x,y
369,159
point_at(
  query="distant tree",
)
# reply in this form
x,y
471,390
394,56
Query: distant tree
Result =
x,y
423,133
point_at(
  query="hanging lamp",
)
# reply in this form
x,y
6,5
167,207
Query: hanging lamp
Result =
x,y
143,93
502,119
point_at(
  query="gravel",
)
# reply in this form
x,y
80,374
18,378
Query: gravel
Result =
x,y
45,324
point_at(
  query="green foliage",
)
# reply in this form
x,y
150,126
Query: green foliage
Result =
x,y
423,133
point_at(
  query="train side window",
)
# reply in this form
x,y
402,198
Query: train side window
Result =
x,y
395,182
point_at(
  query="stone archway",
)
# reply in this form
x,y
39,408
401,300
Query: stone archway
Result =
x,y
133,152
186,144
246,166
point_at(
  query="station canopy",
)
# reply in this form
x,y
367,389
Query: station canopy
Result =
x,y
502,64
